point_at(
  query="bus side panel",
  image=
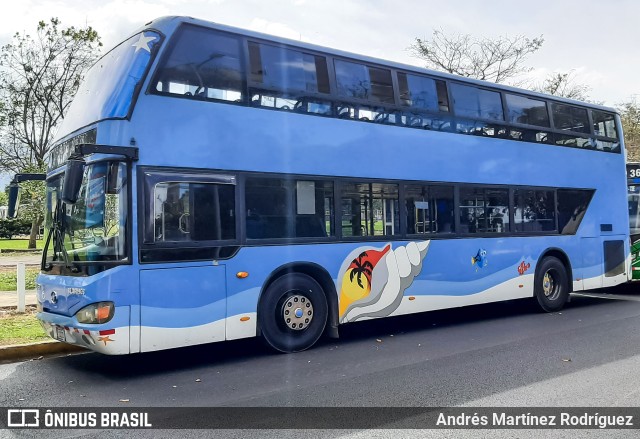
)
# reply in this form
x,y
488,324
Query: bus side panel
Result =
x,y
182,306
591,272
615,250
463,272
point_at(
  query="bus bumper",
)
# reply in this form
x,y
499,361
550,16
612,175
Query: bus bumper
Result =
x,y
108,338
635,270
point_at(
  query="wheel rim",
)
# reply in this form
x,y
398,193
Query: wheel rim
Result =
x,y
297,312
550,286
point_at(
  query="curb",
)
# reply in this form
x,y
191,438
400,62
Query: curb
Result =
x,y
13,353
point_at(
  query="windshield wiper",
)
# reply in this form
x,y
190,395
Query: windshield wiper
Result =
x,y
57,232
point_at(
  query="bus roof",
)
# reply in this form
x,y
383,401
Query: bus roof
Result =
x,y
169,24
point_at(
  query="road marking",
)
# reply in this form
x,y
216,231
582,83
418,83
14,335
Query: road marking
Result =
x,y
608,296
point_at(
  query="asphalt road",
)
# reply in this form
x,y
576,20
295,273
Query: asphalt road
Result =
x,y
502,354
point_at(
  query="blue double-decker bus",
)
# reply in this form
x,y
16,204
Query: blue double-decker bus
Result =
x,y
211,183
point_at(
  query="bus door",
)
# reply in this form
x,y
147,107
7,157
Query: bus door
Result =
x,y
183,301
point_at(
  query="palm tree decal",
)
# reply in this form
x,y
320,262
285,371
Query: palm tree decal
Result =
x,y
361,267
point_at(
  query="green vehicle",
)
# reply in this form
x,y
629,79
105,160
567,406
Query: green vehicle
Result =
x,y
634,229
633,190
635,259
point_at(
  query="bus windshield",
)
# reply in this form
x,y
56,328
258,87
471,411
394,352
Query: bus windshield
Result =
x,y
92,229
108,88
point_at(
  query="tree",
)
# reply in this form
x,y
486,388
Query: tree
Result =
x,y
563,84
488,59
32,202
630,116
38,78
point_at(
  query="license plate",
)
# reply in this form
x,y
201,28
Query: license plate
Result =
x,y
60,333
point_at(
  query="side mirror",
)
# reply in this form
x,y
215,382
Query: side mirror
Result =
x,y
14,200
72,180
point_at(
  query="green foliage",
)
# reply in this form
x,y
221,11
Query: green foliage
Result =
x,y
20,329
39,75
12,227
8,245
9,282
32,196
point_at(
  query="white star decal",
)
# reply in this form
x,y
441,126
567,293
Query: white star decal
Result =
x,y
143,43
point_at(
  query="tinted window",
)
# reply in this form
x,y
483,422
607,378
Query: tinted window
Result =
x,y
484,210
604,124
481,128
429,209
283,208
570,118
476,103
202,64
572,205
364,82
286,69
529,135
422,92
527,111
194,212
535,210
370,209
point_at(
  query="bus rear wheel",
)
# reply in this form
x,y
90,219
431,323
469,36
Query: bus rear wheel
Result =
x,y
292,313
551,285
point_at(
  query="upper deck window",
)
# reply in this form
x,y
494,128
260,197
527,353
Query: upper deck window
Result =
x,y
286,69
364,82
570,118
527,111
476,103
604,124
422,92
202,63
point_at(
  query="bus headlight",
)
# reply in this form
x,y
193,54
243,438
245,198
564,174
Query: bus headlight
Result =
x,y
97,313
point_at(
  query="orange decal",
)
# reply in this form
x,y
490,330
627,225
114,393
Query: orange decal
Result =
x,y
356,282
105,339
522,268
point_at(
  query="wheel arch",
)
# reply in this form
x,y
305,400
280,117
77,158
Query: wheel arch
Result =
x,y
320,275
562,256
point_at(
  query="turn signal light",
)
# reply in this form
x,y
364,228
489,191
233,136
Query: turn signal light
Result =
x,y
96,313
242,274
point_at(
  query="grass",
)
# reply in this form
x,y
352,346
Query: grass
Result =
x,y
20,328
18,244
8,279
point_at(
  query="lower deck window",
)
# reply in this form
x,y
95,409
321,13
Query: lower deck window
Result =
x,y
484,210
534,210
287,208
194,212
429,209
370,209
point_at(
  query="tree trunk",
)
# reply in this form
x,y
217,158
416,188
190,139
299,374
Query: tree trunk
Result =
x,y
35,227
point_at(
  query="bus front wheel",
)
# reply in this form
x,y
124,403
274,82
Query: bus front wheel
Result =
x,y
292,313
551,285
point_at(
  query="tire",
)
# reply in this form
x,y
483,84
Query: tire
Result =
x,y
551,285
292,313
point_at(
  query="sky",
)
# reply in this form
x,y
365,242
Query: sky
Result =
x,y
596,39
